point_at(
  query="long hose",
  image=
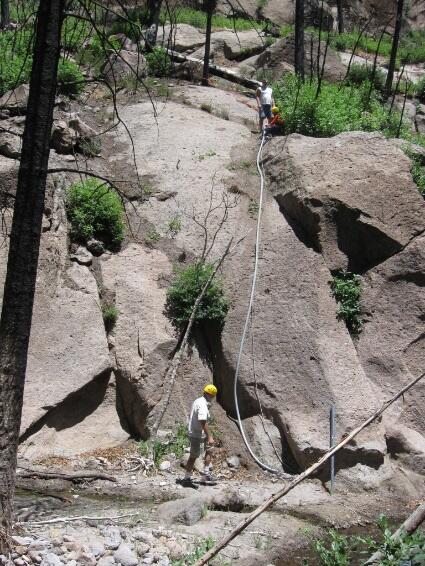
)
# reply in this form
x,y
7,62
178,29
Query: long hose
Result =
x,y
248,314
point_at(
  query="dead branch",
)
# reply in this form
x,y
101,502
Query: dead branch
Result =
x,y
72,476
81,518
409,526
306,474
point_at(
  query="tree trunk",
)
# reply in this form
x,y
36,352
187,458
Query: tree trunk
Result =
x,y
5,16
299,38
18,298
154,12
340,16
205,73
394,48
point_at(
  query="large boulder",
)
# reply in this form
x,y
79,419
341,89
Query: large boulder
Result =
x,y
15,101
124,64
10,145
181,37
352,196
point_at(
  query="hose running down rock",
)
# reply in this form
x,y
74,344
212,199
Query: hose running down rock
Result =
x,y
248,314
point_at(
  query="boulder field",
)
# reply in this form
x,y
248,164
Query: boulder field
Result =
x,y
348,202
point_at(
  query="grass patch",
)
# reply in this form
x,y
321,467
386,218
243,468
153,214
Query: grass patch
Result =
x,y
346,290
253,208
185,288
174,226
198,19
16,58
159,62
70,78
110,316
153,236
360,74
95,211
420,89
417,170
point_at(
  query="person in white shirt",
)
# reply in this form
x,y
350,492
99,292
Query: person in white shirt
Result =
x,y
265,101
200,437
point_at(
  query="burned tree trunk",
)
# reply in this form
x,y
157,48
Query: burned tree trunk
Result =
x,y
210,7
340,16
5,14
394,48
154,12
18,298
299,38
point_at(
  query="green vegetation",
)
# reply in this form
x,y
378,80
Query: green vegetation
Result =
x,y
206,107
411,47
346,290
153,236
253,208
420,89
185,288
359,74
70,78
16,58
337,109
417,170
202,546
176,445
95,211
74,33
110,316
159,62
174,226
341,550
198,19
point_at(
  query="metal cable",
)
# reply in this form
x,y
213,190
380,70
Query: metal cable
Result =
x,y
248,314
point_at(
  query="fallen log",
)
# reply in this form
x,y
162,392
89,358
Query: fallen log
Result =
x,y
215,70
409,526
81,518
306,474
88,475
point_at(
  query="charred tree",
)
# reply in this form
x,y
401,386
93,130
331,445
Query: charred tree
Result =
x,y
154,12
18,298
210,6
5,14
299,38
340,16
394,48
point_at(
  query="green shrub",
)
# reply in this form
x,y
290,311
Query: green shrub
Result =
x,y
95,211
346,290
110,316
159,62
176,445
70,78
336,549
337,109
359,74
417,170
185,288
16,58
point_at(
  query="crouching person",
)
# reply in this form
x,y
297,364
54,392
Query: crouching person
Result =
x,y
201,440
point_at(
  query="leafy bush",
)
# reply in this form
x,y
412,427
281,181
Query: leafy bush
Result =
x,y
70,78
16,58
95,211
337,109
341,550
159,62
418,170
420,89
359,74
187,285
110,316
346,290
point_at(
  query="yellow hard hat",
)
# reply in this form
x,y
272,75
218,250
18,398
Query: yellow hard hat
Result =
x,y
275,109
210,389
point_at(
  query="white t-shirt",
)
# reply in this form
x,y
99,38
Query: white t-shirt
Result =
x,y
266,95
200,412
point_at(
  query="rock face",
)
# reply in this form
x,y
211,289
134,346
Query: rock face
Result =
x,y
181,37
126,64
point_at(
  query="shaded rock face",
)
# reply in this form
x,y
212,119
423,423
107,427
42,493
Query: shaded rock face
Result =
x,y
350,197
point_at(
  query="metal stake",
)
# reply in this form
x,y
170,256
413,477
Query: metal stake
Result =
x,y
332,443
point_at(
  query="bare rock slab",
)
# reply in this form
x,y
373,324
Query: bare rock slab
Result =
x,y
187,511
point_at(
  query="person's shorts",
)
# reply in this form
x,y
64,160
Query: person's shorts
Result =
x,y
266,111
197,447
